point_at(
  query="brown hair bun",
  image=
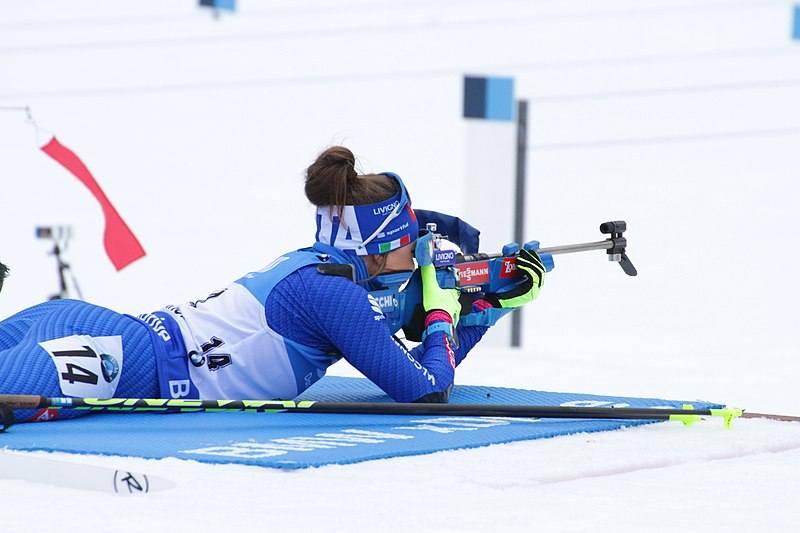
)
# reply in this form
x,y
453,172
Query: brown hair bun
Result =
x,y
332,180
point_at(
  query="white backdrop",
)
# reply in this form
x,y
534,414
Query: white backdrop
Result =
x,y
679,116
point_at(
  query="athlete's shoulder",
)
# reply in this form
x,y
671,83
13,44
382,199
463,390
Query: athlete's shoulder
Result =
x,y
334,299
316,279
261,282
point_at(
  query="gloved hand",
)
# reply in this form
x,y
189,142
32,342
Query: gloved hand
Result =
x,y
531,267
434,297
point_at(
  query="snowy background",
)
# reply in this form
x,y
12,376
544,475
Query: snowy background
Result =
x,y
679,116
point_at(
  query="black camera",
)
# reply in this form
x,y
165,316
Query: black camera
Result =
x,y
59,236
56,233
3,274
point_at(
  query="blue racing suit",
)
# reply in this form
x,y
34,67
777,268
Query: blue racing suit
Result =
x,y
268,335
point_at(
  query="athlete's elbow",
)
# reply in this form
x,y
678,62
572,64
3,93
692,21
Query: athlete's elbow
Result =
x,y
436,397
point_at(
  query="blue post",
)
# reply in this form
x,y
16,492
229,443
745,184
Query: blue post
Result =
x,y
796,23
489,98
219,5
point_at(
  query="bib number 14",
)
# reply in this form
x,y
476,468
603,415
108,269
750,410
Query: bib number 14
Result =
x,y
87,366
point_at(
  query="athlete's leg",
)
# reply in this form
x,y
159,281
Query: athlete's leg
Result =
x,y
100,353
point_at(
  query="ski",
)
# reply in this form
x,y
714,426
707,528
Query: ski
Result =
x,y
39,469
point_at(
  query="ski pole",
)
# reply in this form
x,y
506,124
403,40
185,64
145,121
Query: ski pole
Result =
x,y
687,414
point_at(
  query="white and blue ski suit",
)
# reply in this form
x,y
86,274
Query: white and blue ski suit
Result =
x,y
268,335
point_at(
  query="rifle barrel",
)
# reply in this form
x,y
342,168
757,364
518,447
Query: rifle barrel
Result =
x,y
553,250
573,248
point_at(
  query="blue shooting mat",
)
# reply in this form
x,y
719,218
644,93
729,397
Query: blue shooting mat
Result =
x,y
301,440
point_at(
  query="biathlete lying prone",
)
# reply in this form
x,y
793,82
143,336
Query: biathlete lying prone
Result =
x,y
272,333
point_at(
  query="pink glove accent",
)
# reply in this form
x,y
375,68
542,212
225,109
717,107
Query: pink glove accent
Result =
x,y
482,305
437,316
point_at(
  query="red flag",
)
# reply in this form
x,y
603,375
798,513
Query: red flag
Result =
x,y
121,244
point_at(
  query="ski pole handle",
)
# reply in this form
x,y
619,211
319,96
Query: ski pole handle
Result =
x,y
23,401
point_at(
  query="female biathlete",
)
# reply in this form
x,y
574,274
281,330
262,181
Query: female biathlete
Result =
x,y
272,333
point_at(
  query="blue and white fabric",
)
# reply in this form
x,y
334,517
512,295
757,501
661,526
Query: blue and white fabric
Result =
x,y
369,229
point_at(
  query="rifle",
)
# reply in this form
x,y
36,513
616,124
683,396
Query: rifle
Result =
x,y
476,274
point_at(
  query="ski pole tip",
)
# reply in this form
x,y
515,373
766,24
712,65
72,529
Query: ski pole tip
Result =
x,y
728,414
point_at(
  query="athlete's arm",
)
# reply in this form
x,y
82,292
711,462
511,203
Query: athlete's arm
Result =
x,y
468,337
333,313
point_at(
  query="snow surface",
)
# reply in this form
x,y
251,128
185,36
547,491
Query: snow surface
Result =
x,y
679,116
653,478
662,477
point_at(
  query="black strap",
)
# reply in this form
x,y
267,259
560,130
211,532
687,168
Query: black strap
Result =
x,y
337,269
6,417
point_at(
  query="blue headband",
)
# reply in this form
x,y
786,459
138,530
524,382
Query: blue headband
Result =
x,y
369,229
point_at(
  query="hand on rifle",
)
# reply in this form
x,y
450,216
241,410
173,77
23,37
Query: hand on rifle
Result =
x,y
530,266
434,297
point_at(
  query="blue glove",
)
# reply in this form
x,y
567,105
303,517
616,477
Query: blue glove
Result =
x,y
532,268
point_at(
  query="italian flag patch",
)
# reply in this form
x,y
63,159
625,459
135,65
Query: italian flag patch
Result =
x,y
395,244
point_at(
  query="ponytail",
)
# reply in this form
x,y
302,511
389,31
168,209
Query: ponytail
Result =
x,y
332,180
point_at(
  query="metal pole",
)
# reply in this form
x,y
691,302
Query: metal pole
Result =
x,y
573,248
519,204
552,250
22,401
687,414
